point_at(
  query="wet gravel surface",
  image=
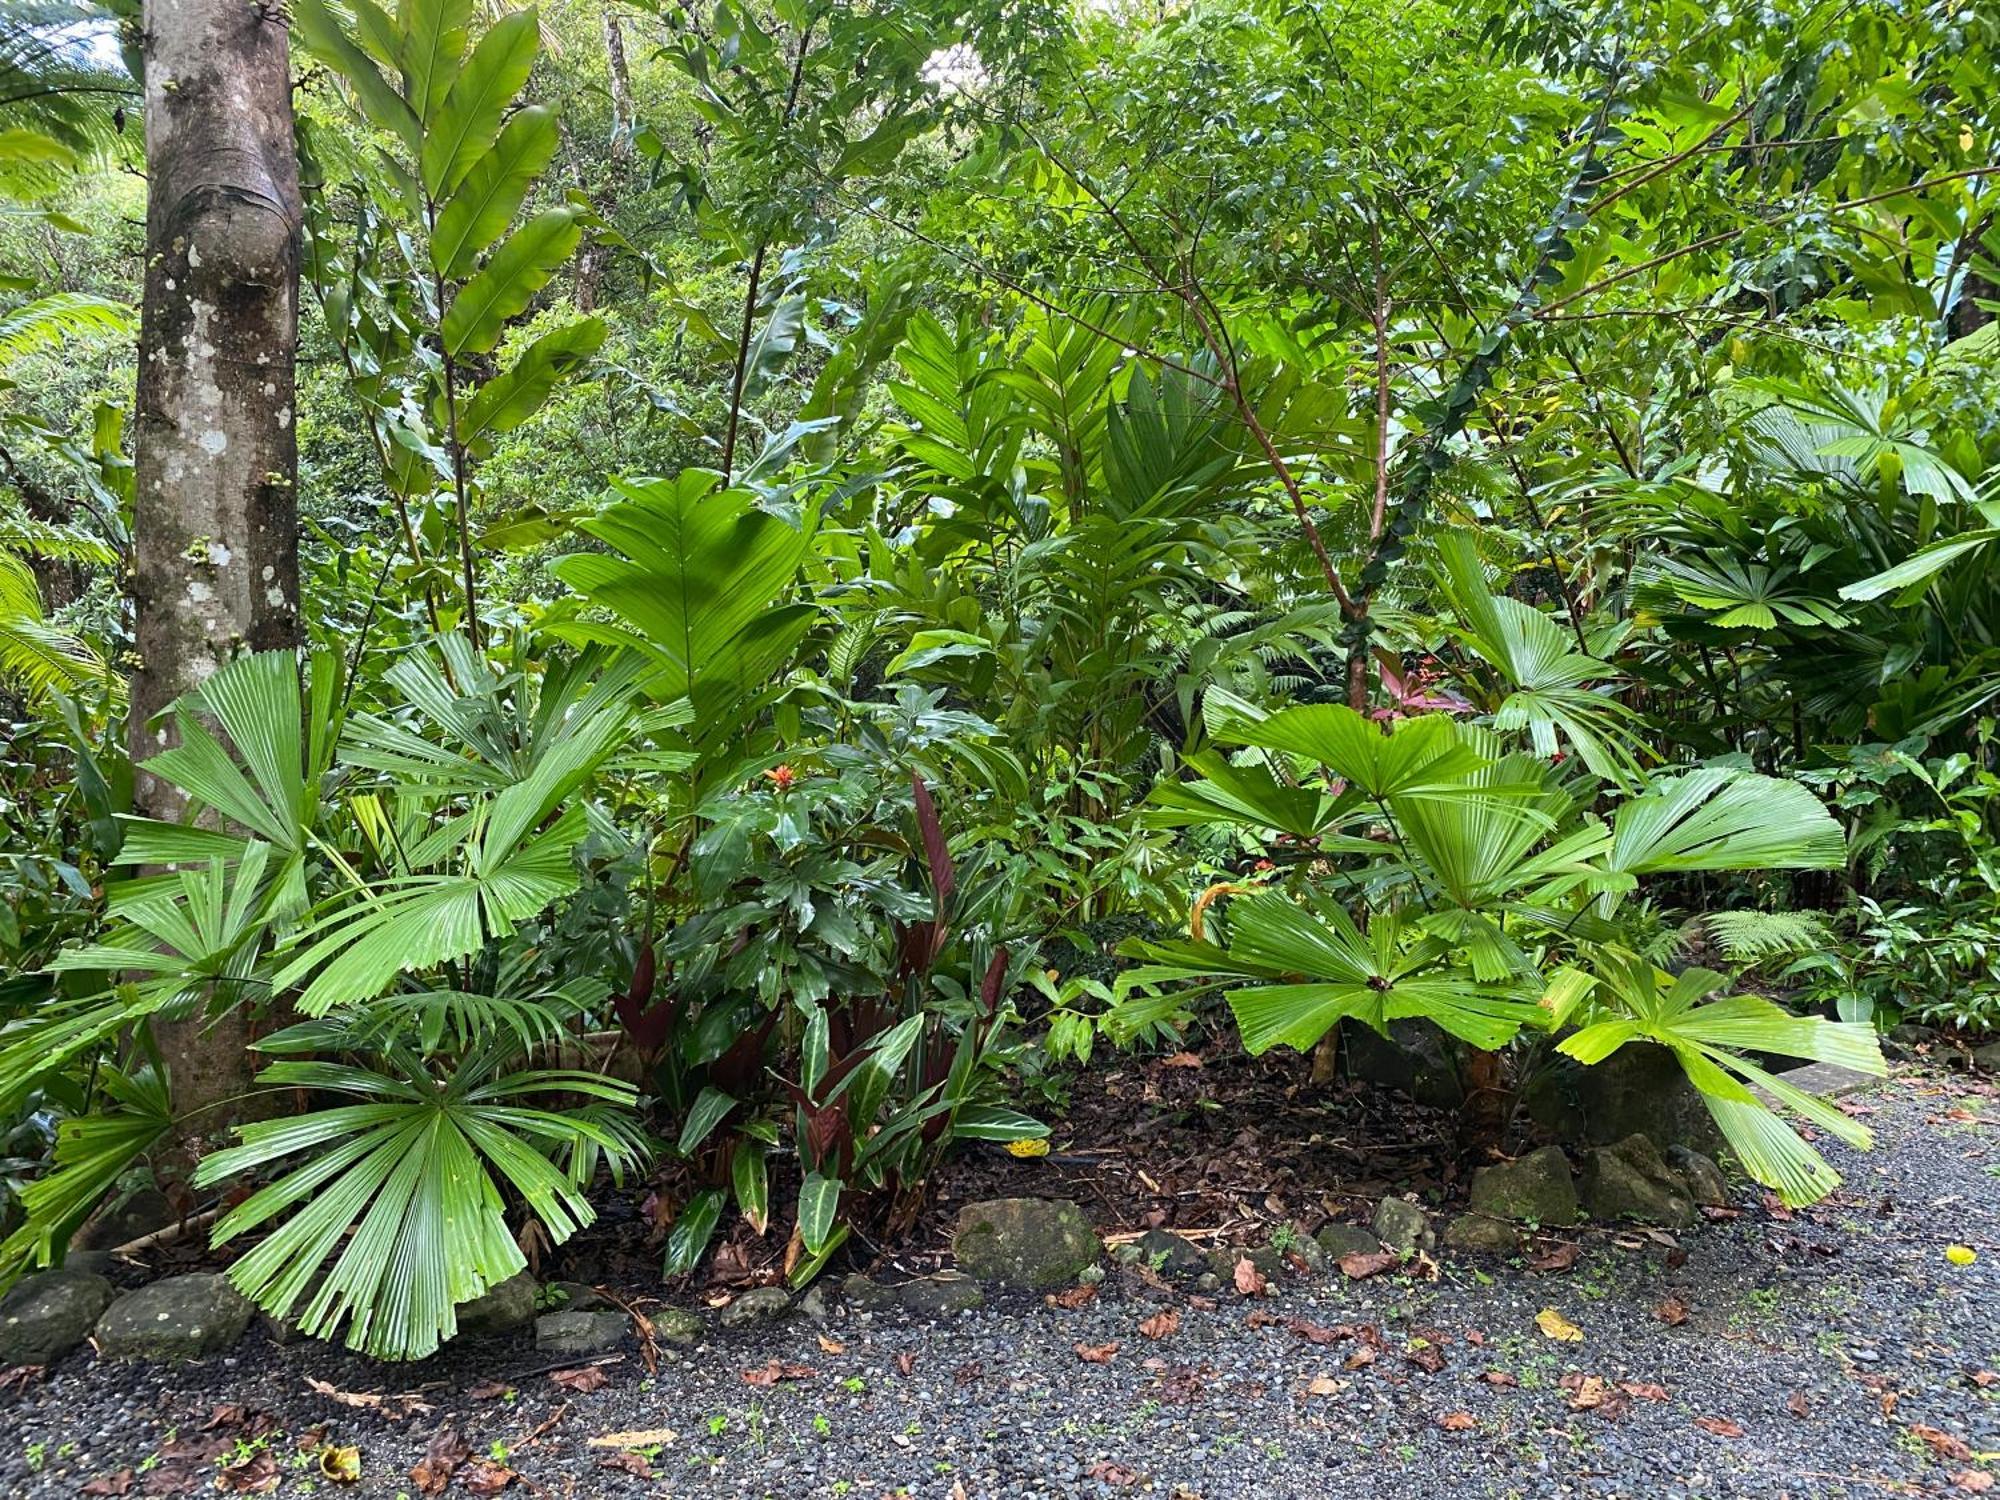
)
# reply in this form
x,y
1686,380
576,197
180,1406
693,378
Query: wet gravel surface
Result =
x,y
1837,1352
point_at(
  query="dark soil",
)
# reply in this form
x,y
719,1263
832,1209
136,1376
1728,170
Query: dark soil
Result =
x,y
1838,1351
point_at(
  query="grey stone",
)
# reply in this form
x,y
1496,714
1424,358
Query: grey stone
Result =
x,y
760,1304
565,1333
1208,1281
1037,1243
178,1317
573,1296
1168,1253
92,1262
1631,1181
46,1315
1987,1058
1640,1089
1336,1240
1533,1189
815,1305
676,1325
1306,1249
1479,1235
1704,1179
866,1293
1912,1035
1415,1058
1402,1227
941,1296
141,1212
503,1307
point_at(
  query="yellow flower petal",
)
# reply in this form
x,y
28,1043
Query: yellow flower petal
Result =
x,y
1960,1255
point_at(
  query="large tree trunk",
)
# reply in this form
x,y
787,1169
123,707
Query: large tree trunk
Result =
x,y
215,512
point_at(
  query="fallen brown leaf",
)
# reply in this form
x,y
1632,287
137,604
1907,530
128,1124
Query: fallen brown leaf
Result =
x,y
1249,1280
1942,1443
906,1361
1181,1060
1643,1390
1162,1323
488,1390
1319,1333
1720,1426
1425,1355
775,1371
485,1477
644,1437
1111,1473
1984,1379
1671,1311
831,1346
1097,1354
442,1456
1324,1385
1796,1404
1360,1359
1501,1378
583,1380
1586,1392
635,1464
119,1483
255,1474
1362,1264
1562,1258
1072,1298
1458,1421
1972,1481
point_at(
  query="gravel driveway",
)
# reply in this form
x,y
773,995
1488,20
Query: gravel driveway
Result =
x,y
1834,1352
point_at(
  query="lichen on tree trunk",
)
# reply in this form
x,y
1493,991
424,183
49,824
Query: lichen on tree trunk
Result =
x,y
215,511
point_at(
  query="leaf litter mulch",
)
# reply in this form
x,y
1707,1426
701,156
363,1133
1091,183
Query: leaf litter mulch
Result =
x,y
1851,1349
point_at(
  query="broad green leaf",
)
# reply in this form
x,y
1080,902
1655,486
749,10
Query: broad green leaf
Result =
x,y
709,1110
314,23
466,124
508,282
486,202
433,45
819,1200
518,392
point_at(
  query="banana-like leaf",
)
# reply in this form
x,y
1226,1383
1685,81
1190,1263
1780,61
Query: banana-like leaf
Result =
x,y
507,283
432,46
518,392
465,125
490,196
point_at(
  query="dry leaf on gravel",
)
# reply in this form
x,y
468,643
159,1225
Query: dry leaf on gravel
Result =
x,y
1562,1258
1796,1403
1319,1333
1554,1325
1942,1443
1360,1359
442,1455
775,1371
1097,1354
1501,1378
1162,1323
831,1346
1362,1264
583,1381
1972,1481
1071,1299
634,1464
109,1484
1671,1311
395,1408
256,1474
488,1390
1324,1385
1643,1390
340,1464
1111,1473
1458,1421
644,1437
1249,1280
484,1477
1181,1060
906,1362
1720,1426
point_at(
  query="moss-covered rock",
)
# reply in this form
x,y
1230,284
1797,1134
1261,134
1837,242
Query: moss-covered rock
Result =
x,y
1037,1243
1532,1189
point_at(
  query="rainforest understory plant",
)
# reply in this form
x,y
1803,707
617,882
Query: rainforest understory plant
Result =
x,y
846,564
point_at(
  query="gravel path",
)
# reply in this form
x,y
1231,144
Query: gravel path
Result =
x,y
1833,1353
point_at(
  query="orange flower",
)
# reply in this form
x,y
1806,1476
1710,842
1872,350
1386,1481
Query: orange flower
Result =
x,y
781,777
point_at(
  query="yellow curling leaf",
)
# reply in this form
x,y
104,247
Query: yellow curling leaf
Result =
x,y
341,1465
1960,1255
1556,1326
1036,1147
